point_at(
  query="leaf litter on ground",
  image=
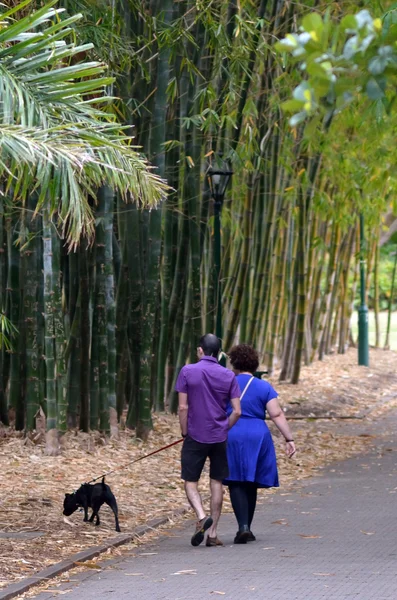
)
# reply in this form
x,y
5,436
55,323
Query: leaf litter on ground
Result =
x,y
33,484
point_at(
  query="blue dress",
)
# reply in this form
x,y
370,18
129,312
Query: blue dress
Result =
x,y
250,448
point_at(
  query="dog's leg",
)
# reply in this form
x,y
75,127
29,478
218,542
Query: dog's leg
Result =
x,y
85,506
111,501
92,516
96,505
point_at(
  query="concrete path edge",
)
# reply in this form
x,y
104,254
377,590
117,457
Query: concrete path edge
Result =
x,y
15,589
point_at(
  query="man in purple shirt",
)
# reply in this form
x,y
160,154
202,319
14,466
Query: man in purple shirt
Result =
x,y
205,388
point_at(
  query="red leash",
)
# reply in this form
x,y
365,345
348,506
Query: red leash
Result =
x,y
137,460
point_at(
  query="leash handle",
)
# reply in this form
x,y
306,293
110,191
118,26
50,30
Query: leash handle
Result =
x,y
136,460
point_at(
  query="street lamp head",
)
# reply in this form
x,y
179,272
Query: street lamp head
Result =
x,y
219,174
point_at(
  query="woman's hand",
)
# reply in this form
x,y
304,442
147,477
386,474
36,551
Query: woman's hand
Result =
x,y
290,449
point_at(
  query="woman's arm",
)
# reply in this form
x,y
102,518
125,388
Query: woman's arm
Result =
x,y
236,411
278,418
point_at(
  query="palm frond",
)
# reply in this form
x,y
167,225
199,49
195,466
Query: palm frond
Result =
x,y
80,161
55,132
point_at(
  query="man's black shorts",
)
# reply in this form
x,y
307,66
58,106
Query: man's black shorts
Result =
x,y
194,455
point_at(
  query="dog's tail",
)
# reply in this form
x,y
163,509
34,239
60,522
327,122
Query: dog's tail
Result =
x,y
103,482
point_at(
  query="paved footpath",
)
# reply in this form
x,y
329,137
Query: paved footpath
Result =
x,y
333,537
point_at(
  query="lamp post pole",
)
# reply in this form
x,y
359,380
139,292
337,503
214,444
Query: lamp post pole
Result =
x,y
363,345
217,267
219,175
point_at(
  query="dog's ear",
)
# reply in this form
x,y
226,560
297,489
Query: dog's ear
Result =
x,y
67,495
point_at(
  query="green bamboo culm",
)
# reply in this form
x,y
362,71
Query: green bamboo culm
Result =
x,y
3,399
85,336
29,250
108,273
73,358
14,301
49,336
391,300
60,335
105,197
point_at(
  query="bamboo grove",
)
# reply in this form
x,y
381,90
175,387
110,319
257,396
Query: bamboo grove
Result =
x,y
100,329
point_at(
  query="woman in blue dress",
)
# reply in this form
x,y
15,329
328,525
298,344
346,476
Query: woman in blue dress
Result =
x,y
250,449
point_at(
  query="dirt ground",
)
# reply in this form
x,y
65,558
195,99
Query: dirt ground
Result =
x,y
33,484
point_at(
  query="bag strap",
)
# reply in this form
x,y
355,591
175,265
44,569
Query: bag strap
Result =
x,y
246,388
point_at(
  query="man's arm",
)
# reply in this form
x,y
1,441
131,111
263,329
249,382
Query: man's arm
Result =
x,y
236,411
182,411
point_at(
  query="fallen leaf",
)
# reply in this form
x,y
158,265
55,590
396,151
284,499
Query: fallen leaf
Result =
x,y
280,522
309,537
367,532
219,593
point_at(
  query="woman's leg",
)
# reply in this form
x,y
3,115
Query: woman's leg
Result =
x,y
239,500
252,493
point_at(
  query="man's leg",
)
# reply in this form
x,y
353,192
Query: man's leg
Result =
x,y
193,457
216,505
193,495
219,471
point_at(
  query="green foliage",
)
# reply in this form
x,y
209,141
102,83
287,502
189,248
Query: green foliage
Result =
x,y
341,61
8,331
386,264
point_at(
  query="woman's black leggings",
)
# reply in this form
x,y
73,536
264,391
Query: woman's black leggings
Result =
x,y
243,496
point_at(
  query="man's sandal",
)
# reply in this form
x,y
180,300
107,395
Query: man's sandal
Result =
x,y
213,541
201,528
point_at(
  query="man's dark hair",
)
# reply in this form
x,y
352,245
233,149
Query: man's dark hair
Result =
x,y
210,344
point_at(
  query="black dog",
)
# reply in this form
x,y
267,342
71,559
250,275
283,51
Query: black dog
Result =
x,y
91,496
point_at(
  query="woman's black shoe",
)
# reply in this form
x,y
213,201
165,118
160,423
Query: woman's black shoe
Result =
x,y
251,537
242,535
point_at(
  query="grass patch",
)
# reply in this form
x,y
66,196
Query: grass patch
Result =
x,y
383,327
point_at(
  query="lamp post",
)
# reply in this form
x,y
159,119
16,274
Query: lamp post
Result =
x,y
219,175
363,346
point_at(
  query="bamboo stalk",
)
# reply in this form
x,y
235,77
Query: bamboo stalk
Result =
x,y
51,394
3,400
85,337
376,291
29,255
390,307
60,337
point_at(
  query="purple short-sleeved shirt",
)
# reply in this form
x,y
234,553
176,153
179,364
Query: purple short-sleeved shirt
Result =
x,y
209,387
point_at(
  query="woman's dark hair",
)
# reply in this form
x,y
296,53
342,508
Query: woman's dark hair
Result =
x,y
244,358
